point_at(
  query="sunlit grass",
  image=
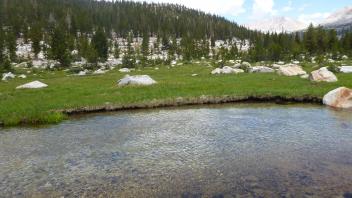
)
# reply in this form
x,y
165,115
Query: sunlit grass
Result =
x,y
68,92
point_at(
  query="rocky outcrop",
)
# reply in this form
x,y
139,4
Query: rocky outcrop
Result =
x,y
261,69
143,80
226,70
32,85
339,98
291,70
322,75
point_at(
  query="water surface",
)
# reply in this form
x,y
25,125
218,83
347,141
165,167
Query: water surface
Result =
x,y
253,150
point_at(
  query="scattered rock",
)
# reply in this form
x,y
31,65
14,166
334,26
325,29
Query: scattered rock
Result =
x,y
32,85
22,65
22,76
261,69
194,75
305,76
7,76
136,80
124,70
237,65
226,70
322,75
100,71
247,64
291,70
82,73
346,69
344,57
339,98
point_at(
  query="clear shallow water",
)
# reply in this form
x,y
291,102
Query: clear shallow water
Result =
x,y
254,150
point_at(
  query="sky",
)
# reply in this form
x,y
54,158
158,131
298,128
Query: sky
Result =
x,y
247,11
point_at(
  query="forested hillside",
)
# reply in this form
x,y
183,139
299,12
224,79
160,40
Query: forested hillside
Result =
x,y
62,33
120,16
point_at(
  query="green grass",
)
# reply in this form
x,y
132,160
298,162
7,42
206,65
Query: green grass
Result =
x,y
68,92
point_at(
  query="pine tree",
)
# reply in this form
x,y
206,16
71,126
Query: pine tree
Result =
x,y
36,37
116,50
310,40
11,45
129,59
145,49
100,44
2,47
59,47
321,40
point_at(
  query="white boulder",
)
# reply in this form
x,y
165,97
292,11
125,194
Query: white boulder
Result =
x,y
99,71
82,73
226,70
261,69
246,64
322,75
32,85
346,69
22,76
7,76
305,76
22,65
136,80
344,57
124,70
339,98
291,70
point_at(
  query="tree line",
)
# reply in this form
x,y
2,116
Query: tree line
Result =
x,y
58,27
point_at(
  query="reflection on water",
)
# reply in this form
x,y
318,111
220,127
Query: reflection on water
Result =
x,y
224,151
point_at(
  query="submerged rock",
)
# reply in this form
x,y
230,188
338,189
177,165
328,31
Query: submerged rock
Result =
x,y
226,70
322,75
7,76
291,70
32,85
339,98
346,69
136,80
261,69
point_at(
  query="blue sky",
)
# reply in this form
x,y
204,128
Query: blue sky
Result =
x,y
246,11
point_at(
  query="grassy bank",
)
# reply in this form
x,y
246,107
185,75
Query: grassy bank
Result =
x,y
72,92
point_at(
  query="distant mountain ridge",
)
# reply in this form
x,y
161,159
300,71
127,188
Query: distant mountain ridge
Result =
x,y
341,20
277,24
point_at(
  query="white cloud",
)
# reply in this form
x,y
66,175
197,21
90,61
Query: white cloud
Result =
x,y
315,18
220,7
288,7
263,8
